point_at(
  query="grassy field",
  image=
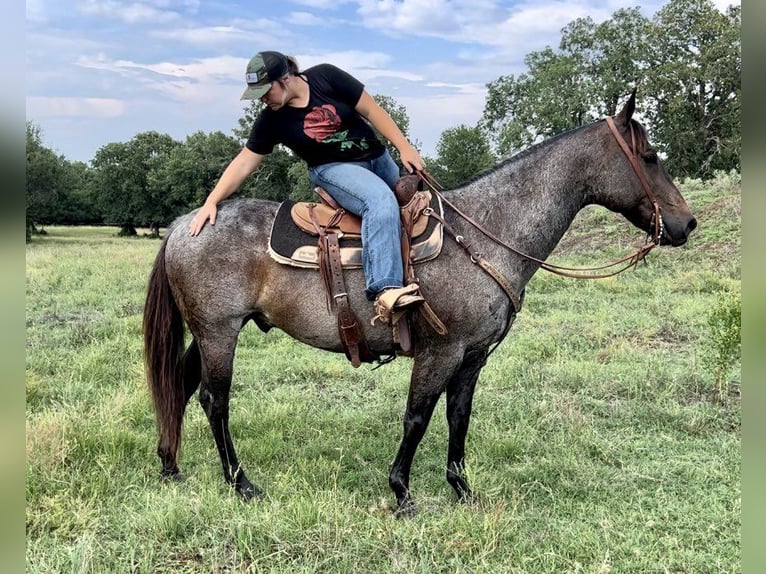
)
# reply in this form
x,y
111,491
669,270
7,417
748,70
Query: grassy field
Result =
x,y
603,439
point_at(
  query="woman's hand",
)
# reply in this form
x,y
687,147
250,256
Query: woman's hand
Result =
x,y
205,213
411,159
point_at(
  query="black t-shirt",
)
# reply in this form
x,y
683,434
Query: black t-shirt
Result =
x,y
327,130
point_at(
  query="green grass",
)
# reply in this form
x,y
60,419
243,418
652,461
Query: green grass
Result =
x,y
598,441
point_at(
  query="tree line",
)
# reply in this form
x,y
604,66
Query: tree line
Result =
x,y
686,62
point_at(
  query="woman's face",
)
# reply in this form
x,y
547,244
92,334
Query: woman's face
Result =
x,y
277,95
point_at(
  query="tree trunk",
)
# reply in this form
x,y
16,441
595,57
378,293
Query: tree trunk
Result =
x,y
127,230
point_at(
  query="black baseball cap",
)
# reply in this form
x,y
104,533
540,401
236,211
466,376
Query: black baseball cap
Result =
x,y
262,69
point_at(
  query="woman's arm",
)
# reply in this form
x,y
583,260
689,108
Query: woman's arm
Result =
x,y
382,122
245,163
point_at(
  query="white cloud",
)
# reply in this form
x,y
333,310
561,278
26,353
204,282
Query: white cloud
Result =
x,y
486,22
237,33
365,66
196,82
51,107
132,13
202,69
306,19
321,4
431,115
36,11
203,35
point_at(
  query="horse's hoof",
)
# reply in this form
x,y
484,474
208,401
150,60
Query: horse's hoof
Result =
x,y
172,475
249,491
406,509
466,497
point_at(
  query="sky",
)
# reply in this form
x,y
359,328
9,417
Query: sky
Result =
x,y
101,71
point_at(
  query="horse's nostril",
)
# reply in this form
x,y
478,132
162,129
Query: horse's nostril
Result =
x,y
692,225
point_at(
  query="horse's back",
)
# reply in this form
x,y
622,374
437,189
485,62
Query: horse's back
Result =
x,y
214,273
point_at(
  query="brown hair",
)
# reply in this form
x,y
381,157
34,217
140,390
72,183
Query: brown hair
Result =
x,y
292,66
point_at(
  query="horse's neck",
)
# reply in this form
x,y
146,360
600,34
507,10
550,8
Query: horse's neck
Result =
x,y
529,202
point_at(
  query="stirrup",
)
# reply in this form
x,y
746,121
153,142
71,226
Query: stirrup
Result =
x,y
392,303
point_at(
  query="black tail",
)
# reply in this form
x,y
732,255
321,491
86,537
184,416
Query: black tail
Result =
x,y
163,328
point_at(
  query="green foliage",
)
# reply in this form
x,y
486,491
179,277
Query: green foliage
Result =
x,y
272,180
43,176
189,172
462,152
300,183
121,182
245,123
687,62
724,348
57,190
565,89
695,87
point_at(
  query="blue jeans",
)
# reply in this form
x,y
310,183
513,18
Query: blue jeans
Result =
x,y
366,189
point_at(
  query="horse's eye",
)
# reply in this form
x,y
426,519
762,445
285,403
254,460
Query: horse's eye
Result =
x,y
650,156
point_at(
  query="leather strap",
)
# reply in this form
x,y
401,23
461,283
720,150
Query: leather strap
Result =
x,y
482,262
574,272
349,328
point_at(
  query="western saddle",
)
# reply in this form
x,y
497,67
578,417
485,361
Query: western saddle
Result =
x,y
329,222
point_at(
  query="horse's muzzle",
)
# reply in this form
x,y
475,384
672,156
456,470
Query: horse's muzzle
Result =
x,y
676,232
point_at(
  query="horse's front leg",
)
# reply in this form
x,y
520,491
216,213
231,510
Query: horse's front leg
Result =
x,y
429,375
460,391
217,369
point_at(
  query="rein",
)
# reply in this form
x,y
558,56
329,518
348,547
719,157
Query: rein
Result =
x,y
572,272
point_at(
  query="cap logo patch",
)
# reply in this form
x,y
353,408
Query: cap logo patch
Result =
x,y
257,78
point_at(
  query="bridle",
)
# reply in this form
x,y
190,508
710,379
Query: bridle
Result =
x,y
632,156
573,272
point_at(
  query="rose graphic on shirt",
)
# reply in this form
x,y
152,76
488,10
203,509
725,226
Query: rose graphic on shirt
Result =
x,y
321,122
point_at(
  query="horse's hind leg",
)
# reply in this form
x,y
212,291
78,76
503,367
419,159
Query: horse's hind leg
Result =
x,y
192,372
460,391
217,369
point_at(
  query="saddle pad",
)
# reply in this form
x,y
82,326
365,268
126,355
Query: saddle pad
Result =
x,y
290,245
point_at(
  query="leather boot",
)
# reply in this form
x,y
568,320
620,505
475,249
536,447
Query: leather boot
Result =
x,y
389,304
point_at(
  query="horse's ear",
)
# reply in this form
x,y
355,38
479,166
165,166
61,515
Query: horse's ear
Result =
x,y
627,110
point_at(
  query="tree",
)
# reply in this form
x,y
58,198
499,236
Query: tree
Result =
x,y
686,61
695,87
121,180
610,57
272,179
462,152
301,188
565,89
45,181
77,206
245,123
523,110
183,181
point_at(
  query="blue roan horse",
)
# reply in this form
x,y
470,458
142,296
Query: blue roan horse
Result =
x,y
218,281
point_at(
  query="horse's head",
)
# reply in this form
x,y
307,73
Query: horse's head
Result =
x,y
645,194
